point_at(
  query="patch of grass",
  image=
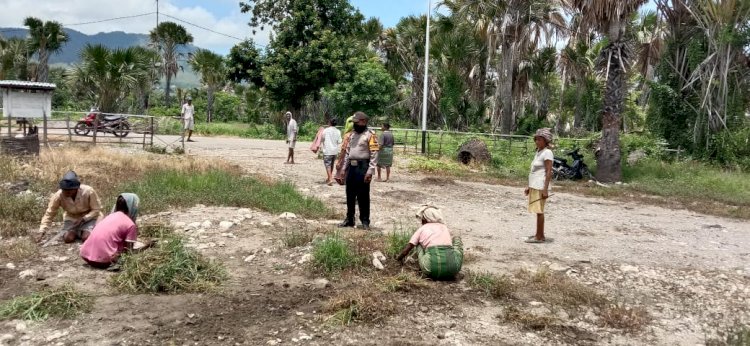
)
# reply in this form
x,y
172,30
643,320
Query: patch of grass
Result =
x,y
157,149
164,189
395,241
169,267
403,282
558,290
624,317
333,254
737,336
18,249
527,320
296,237
437,166
155,230
365,304
18,214
178,151
61,302
499,287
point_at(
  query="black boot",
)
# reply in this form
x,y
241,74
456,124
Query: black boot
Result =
x,y
366,226
346,223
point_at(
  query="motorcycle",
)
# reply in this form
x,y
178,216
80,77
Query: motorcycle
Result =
x,y
579,170
117,125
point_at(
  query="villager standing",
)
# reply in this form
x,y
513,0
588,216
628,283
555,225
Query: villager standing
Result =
x,y
330,141
539,181
385,157
291,136
360,161
188,119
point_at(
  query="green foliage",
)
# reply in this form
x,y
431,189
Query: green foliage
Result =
x,y
732,148
315,45
169,267
371,90
61,302
244,63
296,237
161,190
227,107
333,254
649,144
395,242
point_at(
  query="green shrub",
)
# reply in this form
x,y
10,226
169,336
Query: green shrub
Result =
x,y
649,144
160,190
333,254
169,267
61,302
732,148
395,242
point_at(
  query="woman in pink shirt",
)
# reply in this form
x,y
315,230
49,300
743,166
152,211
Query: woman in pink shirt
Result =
x,y
440,255
114,235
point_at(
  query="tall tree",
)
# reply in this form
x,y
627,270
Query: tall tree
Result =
x,y
106,77
45,38
577,63
213,74
611,18
14,59
244,63
167,38
316,43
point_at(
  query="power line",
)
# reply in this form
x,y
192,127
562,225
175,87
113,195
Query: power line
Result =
x,y
111,19
202,27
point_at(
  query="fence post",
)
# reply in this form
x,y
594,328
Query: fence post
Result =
x,y
67,126
440,145
45,128
96,126
406,140
152,131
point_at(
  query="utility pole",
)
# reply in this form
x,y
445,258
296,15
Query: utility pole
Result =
x,y
425,91
157,13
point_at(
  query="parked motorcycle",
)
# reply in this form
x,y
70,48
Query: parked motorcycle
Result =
x,y
579,170
117,125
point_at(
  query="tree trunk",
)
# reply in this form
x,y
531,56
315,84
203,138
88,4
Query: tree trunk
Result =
x,y
608,158
504,93
578,117
167,90
43,74
544,104
210,105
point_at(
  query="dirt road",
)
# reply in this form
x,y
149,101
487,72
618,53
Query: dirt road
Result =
x,y
691,272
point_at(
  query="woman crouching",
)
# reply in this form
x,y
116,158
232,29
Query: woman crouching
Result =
x,y
440,256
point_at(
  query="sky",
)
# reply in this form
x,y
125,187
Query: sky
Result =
x,y
222,16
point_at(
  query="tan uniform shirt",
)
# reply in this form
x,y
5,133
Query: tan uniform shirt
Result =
x,y
363,146
86,206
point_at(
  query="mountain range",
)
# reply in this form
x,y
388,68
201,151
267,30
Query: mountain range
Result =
x,y
77,40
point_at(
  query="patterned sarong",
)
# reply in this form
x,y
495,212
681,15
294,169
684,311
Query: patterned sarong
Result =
x,y
441,262
385,157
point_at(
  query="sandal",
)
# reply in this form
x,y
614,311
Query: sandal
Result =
x,y
533,240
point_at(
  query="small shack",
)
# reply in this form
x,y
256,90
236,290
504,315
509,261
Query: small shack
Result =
x,y
24,102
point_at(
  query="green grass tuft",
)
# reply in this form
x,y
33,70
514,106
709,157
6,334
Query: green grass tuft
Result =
x,y
333,254
61,302
169,267
162,190
296,237
395,242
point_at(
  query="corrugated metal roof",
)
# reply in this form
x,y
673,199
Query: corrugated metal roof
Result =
x,y
19,84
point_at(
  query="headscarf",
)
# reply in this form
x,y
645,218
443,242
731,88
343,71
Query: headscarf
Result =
x,y
430,213
70,181
544,133
349,124
132,202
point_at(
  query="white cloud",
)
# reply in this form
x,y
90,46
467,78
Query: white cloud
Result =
x,y
78,11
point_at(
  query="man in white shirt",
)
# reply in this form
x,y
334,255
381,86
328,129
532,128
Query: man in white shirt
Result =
x,y
291,136
331,139
188,119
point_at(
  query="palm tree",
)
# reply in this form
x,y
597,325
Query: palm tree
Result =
x,y
14,59
45,38
577,62
523,24
650,34
611,18
167,38
213,72
106,77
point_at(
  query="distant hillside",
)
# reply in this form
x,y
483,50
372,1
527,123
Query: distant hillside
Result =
x,y
117,39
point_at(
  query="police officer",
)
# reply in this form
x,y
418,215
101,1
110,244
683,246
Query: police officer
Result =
x,y
359,163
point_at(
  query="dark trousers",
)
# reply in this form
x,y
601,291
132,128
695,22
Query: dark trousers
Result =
x,y
358,191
